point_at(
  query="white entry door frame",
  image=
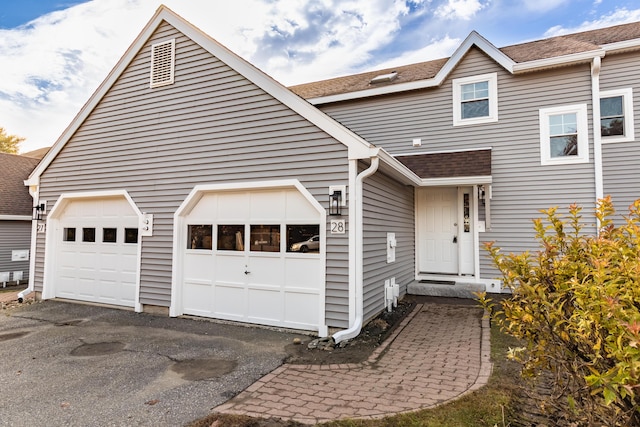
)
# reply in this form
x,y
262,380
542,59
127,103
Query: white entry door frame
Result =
x,y
446,230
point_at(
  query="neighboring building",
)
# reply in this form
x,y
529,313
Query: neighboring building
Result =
x,y
38,153
192,181
15,217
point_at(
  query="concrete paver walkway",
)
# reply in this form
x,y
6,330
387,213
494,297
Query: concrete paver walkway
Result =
x,y
439,353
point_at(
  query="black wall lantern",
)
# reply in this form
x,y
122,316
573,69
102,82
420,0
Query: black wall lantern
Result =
x,y
38,210
335,203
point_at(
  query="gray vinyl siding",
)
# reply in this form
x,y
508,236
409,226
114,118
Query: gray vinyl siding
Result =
x,y
621,160
14,235
388,207
211,126
521,185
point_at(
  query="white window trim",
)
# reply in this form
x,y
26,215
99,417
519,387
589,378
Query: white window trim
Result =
x,y
492,78
627,105
583,135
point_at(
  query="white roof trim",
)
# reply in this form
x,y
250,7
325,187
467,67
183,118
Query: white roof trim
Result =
x,y
357,146
462,180
556,61
473,39
621,46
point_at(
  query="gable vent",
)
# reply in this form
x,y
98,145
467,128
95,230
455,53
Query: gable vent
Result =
x,y
162,63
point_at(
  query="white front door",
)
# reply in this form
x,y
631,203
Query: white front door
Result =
x,y
438,230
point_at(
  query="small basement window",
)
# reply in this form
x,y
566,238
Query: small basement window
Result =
x,y
163,56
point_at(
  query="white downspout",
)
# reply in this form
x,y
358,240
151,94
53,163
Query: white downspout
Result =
x,y
597,137
358,224
34,191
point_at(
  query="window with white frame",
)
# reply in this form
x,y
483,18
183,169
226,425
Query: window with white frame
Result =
x,y
616,115
564,135
475,99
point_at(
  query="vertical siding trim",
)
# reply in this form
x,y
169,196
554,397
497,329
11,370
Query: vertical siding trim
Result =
x,y
597,137
357,222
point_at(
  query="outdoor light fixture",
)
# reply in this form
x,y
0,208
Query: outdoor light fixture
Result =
x,y
335,203
38,210
481,194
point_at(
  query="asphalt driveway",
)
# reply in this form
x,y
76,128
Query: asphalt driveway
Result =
x,y
64,364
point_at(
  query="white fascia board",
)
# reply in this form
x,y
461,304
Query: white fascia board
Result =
x,y
473,39
461,150
462,180
407,174
632,44
574,58
15,218
358,147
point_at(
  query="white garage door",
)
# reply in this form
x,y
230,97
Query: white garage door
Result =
x,y
254,256
96,256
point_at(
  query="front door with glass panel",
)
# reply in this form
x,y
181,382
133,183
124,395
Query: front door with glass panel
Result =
x,y
445,230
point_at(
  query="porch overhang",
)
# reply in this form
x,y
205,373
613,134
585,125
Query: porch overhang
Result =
x,y
450,168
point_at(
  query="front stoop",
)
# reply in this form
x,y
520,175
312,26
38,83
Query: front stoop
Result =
x,y
457,290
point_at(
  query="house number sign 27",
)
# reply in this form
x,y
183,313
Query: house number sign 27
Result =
x,y
338,226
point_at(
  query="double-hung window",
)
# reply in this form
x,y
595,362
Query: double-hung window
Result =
x,y
616,115
563,135
475,99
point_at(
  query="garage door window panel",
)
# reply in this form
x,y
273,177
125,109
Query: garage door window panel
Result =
x,y
69,234
131,235
89,234
230,237
265,238
303,238
109,235
200,237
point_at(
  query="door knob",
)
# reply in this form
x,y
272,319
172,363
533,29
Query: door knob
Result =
x,y
455,239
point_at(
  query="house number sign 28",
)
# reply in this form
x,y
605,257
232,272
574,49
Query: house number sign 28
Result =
x,y
338,226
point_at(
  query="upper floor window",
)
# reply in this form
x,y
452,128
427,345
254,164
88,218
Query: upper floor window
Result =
x,y
616,115
475,99
563,135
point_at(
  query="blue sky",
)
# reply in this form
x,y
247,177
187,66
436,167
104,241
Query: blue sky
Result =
x,y
60,50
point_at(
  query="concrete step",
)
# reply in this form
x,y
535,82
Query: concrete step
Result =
x,y
453,290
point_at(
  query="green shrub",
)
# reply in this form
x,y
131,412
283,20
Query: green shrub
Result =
x,y
575,306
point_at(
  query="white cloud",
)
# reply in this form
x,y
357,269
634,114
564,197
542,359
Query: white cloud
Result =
x,y
617,17
459,9
436,49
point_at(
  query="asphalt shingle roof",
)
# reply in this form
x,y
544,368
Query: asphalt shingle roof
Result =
x,y
14,195
523,52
